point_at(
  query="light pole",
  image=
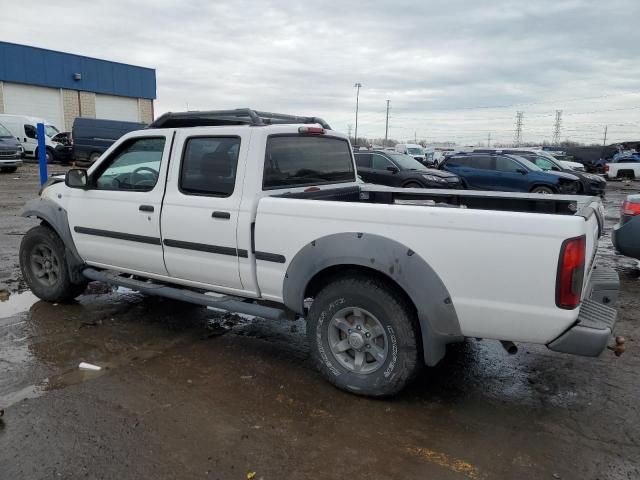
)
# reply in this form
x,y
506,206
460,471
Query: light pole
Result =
x,y
358,86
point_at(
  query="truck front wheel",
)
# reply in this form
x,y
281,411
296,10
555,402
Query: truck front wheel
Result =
x,y
364,336
44,267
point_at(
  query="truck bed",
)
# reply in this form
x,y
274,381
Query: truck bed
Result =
x,y
479,200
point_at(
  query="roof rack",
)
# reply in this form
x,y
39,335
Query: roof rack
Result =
x,y
239,116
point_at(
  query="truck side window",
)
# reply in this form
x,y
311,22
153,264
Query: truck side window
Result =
x,y
134,166
30,131
209,166
300,160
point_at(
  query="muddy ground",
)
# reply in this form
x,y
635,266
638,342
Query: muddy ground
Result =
x,y
178,399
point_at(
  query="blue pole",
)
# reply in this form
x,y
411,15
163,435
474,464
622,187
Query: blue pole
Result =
x,y
42,154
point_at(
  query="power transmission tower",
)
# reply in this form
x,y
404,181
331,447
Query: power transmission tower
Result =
x,y
557,127
517,138
386,126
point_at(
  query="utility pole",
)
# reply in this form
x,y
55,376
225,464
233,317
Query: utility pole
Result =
x,y
415,137
350,127
358,86
604,143
517,138
489,140
386,126
557,127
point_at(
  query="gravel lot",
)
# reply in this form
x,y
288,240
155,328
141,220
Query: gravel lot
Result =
x,y
187,393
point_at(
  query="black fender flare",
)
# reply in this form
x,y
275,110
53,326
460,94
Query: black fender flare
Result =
x,y
436,312
56,218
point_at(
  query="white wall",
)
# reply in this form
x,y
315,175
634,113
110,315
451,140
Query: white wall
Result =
x,y
117,108
34,101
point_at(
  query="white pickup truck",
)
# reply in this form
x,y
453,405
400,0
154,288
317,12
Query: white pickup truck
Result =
x,y
624,168
264,214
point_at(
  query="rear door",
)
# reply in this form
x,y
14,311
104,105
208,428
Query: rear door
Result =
x,y
476,170
201,207
363,163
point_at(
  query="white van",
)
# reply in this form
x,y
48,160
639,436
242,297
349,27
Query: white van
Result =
x,y
24,128
413,150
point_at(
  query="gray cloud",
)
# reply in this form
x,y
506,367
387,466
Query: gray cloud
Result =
x,y
436,61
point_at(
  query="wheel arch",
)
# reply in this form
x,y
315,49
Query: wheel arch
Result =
x,y
55,217
343,254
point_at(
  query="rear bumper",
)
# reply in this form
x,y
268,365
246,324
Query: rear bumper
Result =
x,y
596,321
626,238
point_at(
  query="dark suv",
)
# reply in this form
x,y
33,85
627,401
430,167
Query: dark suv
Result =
x,y
400,170
508,173
590,183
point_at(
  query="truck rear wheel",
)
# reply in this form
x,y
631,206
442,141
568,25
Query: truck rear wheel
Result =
x,y
44,267
364,336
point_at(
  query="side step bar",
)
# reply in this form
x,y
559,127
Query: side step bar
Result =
x,y
229,303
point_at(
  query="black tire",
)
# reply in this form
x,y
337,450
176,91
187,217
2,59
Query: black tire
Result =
x,y
543,190
48,281
401,336
413,185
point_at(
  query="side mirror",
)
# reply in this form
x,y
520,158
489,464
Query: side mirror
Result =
x,y
76,178
522,171
393,169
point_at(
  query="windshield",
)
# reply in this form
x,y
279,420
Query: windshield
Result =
x,y
50,130
4,132
405,162
415,151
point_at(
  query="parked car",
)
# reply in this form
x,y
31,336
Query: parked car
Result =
x,y
25,130
269,213
624,167
400,170
63,151
10,151
414,150
508,173
626,234
590,183
92,136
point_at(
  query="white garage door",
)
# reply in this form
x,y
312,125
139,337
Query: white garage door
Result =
x,y
33,101
117,108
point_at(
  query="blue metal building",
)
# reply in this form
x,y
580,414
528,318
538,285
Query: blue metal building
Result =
x,y
60,86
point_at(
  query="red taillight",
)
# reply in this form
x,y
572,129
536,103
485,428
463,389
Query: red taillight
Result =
x,y
606,167
630,208
571,272
312,130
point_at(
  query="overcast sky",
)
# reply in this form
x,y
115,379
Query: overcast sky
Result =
x,y
453,70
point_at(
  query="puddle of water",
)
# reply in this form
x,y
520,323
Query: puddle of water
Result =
x,y
17,303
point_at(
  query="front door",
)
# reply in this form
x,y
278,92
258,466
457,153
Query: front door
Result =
x,y
201,208
380,173
116,221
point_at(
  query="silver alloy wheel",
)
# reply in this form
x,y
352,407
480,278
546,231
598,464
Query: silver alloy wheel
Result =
x,y
45,265
358,340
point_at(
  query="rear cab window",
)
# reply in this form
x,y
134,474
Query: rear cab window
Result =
x,y
305,160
